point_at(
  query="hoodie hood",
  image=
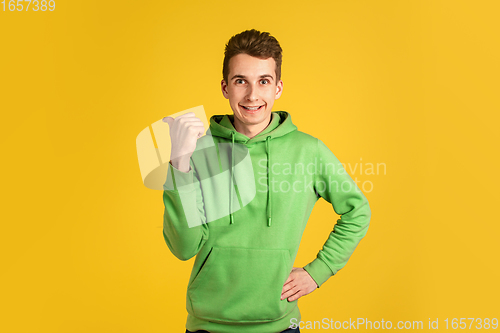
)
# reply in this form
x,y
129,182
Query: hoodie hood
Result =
x,y
221,126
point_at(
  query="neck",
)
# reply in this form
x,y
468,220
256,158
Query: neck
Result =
x,y
251,130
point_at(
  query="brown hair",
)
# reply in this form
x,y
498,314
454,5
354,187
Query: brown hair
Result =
x,y
256,44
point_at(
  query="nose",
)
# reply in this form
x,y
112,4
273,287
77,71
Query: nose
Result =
x,y
252,93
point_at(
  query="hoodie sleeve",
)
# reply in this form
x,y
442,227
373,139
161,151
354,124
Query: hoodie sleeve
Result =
x,y
184,221
334,185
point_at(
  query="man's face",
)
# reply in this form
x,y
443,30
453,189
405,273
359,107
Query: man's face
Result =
x,y
252,83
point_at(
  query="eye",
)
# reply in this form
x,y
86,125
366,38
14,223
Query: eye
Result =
x,y
238,81
264,80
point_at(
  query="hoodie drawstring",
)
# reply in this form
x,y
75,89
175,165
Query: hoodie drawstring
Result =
x,y
268,150
232,170
268,208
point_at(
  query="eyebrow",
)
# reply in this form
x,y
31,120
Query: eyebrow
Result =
x,y
239,76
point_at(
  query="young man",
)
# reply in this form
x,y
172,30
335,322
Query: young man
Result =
x,y
241,201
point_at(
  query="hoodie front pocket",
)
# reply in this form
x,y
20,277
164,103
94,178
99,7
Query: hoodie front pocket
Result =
x,y
241,285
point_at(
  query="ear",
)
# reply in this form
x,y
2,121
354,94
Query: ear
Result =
x,y
279,89
223,87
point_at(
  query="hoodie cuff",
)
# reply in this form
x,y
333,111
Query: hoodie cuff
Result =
x,y
319,271
179,181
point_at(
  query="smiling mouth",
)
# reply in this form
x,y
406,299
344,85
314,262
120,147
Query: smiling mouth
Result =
x,y
254,108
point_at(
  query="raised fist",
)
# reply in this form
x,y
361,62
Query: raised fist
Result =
x,y
185,130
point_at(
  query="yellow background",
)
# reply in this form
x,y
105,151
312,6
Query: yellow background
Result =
x,y
411,84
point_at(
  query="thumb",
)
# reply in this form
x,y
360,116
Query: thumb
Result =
x,y
168,120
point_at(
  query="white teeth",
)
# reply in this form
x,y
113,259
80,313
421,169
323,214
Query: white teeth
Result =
x,y
251,109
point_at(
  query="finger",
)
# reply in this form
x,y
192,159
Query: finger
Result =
x,y
286,288
289,293
289,288
190,121
201,131
290,279
295,296
168,120
185,115
198,130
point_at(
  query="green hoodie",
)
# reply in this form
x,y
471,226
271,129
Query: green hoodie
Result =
x,y
244,224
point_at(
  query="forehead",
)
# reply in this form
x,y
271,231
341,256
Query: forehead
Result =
x,y
244,64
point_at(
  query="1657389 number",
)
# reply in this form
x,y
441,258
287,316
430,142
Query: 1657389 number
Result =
x,y
467,323
25,5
